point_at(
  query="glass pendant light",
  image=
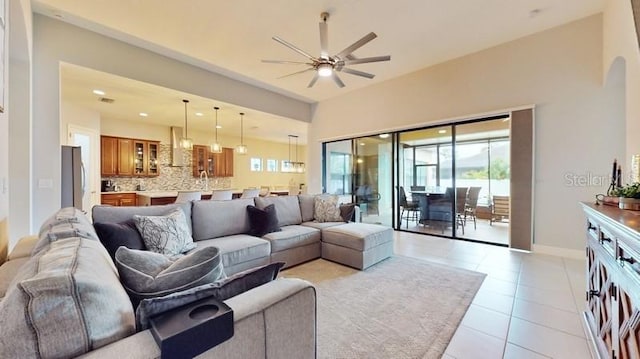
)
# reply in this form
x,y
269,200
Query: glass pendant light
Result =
x,y
185,142
241,149
215,146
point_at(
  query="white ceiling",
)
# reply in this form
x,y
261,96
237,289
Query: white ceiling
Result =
x,y
232,37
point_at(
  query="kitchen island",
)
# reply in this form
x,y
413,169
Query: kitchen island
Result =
x,y
154,198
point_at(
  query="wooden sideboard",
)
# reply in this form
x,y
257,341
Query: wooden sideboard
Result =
x,y
613,280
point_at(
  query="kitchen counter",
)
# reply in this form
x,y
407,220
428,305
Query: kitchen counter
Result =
x,y
162,194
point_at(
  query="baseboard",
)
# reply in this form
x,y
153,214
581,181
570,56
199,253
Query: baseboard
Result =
x,y
559,252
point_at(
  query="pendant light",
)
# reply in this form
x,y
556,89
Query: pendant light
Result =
x,y
294,166
241,149
185,142
215,146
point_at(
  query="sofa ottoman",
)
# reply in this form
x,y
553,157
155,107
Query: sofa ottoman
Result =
x,y
358,245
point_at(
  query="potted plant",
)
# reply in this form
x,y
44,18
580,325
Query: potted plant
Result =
x,y
629,196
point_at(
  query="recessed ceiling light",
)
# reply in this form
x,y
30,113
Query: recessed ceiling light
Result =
x,y
99,92
143,114
442,131
199,114
384,135
361,143
218,126
506,119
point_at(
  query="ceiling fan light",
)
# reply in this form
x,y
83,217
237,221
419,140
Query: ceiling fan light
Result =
x,y
325,70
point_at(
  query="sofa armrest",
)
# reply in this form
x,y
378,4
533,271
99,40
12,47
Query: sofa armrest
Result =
x,y
24,247
274,320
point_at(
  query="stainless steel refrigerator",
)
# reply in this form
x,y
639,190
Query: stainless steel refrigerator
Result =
x,y
72,177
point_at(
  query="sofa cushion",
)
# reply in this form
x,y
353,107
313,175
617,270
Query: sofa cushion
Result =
x,y
238,248
221,290
213,219
287,207
262,221
114,235
71,302
8,271
67,222
292,236
326,209
321,225
307,203
146,274
24,247
358,236
115,214
165,234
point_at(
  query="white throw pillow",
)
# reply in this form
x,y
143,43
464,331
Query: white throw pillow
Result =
x,y
168,235
326,209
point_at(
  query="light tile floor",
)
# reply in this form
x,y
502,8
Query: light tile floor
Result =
x,y
529,305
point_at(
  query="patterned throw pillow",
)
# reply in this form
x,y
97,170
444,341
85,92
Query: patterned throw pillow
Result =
x,y
326,209
168,235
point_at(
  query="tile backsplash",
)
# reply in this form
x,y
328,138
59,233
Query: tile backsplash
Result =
x,y
170,178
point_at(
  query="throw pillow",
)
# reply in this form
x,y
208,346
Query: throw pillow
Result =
x,y
347,210
168,234
262,221
326,209
147,274
114,235
221,290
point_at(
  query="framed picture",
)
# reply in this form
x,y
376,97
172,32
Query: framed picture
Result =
x,y
3,23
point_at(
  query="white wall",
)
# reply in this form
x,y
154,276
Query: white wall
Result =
x,y
15,125
578,130
56,42
620,40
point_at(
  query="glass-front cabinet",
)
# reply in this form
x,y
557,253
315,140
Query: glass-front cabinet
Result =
x,y
145,158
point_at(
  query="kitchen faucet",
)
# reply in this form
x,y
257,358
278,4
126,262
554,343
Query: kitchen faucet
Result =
x,y
206,180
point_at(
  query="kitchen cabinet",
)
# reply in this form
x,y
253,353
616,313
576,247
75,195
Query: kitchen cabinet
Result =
x,y
202,160
613,281
215,164
146,158
223,163
128,157
119,199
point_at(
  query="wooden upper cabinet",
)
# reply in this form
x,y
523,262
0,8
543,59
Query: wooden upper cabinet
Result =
x,y
128,157
109,156
125,157
223,163
200,159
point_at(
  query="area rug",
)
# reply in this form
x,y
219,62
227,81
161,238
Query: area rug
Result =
x,y
399,308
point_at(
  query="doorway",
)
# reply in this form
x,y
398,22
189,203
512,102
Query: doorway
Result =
x,y
88,140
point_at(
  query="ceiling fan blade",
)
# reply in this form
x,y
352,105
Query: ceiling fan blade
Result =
x,y
296,73
324,40
313,80
286,62
294,48
365,60
337,80
356,45
357,73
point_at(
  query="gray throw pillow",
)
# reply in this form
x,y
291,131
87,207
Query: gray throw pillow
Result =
x,y
168,234
326,209
147,274
221,290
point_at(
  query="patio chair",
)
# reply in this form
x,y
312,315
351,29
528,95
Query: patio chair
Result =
x,y
499,209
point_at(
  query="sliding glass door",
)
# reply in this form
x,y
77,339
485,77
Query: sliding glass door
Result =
x,y
360,171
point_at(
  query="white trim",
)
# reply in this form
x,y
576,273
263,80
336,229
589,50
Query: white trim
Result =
x,y
442,122
559,252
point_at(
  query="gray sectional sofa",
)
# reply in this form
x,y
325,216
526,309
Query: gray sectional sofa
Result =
x,y
60,294
225,224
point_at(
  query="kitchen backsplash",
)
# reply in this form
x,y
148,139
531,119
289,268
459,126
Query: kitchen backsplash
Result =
x,y
170,178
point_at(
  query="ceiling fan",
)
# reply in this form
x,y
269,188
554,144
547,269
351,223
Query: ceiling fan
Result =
x,y
328,66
